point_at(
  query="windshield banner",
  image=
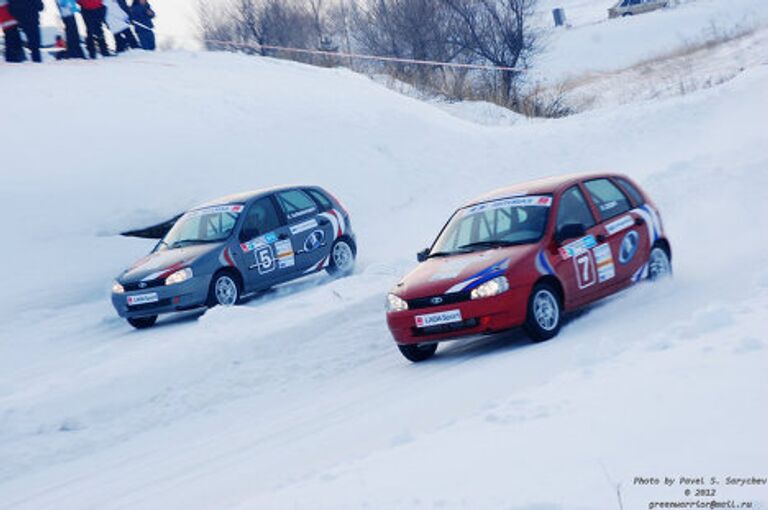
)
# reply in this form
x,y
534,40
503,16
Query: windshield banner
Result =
x,y
217,209
505,203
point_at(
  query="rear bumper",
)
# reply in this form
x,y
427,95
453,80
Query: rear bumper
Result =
x,y
170,298
482,316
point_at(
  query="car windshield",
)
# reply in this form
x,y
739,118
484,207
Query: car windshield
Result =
x,y
505,222
206,225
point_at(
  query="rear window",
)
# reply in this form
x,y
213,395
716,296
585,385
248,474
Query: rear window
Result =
x,y
631,190
296,204
609,199
320,198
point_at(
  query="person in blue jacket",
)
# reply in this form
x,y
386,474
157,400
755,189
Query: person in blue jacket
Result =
x,y
68,9
141,16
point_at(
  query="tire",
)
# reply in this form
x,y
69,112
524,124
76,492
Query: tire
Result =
x,y
225,290
342,258
659,264
142,322
418,352
545,313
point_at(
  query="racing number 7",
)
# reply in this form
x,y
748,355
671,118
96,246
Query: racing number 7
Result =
x,y
585,270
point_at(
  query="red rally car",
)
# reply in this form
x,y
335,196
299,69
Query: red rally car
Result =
x,y
526,254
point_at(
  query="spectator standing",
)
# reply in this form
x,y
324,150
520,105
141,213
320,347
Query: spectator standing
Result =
x,y
68,9
142,15
93,12
14,51
118,23
27,13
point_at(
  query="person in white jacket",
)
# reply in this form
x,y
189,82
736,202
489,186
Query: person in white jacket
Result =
x,y
118,22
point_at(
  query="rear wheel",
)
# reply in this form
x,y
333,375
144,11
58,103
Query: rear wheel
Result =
x,y
342,260
659,265
418,352
225,289
545,313
142,322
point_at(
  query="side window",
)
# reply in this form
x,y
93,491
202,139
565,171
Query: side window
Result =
x,y
296,204
261,218
320,198
630,190
609,199
574,209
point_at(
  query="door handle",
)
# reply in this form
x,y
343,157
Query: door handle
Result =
x,y
600,238
639,222
322,222
282,237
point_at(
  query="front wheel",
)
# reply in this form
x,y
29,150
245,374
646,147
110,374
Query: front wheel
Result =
x,y
545,313
142,322
418,352
342,260
659,265
224,290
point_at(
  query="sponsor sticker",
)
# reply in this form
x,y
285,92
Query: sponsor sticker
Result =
x,y
629,247
604,262
285,255
303,212
303,226
578,247
616,226
436,319
505,203
259,242
314,240
142,299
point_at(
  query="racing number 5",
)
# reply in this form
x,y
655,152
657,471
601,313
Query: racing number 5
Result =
x,y
585,270
265,260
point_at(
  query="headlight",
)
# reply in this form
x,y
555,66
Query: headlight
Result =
x,y
491,288
179,276
117,288
396,304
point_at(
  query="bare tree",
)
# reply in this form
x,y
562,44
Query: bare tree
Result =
x,y
497,32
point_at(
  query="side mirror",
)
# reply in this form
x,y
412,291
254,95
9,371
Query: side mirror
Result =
x,y
423,255
570,231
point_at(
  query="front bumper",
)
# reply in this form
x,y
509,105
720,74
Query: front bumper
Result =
x,y
170,298
481,316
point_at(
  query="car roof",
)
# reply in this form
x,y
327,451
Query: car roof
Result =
x,y
545,186
247,196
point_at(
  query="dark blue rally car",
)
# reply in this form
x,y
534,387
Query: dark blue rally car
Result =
x,y
235,246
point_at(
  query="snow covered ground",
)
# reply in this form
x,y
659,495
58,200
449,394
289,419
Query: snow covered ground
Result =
x,y
299,399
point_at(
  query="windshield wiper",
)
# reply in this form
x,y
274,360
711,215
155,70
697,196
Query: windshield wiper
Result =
x,y
178,243
488,244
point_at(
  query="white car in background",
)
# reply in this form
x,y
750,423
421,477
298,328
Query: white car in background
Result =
x,y
630,7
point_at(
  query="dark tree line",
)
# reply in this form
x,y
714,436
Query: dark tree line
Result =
x,y
485,32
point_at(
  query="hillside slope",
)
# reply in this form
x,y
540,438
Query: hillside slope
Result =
x,y
300,399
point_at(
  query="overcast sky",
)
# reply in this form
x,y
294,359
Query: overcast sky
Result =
x,y
175,19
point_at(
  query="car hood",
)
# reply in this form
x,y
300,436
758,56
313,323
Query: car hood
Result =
x,y
457,273
161,264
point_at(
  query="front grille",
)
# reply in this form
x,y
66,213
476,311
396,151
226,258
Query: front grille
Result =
x,y
149,306
129,287
447,299
446,328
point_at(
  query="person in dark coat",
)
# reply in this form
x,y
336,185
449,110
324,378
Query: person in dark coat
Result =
x,y
68,9
14,51
93,12
142,15
27,13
